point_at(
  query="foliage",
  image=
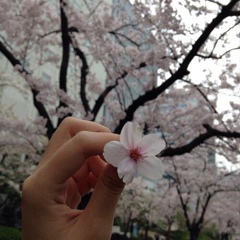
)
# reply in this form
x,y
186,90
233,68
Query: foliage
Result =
x,y
8,233
205,235
181,235
10,206
180,220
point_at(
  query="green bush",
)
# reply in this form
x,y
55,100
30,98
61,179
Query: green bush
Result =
x,y
8,233
140,238
206,234
180,235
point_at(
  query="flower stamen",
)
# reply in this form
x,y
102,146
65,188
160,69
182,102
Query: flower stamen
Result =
x,y
135,154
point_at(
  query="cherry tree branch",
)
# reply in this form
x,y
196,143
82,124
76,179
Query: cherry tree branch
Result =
x,y
204,209
219,56
84,69
65,54
83,76
234,13
184,207
39,106
181,72
210,132
206,99
211,55
99,102
218,3
70,29
118,36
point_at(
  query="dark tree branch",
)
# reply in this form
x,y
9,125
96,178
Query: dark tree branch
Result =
x,y
99,102
234,13
211,55
84,72
218,3
65,54
184,207
5,43
70,29
65,47
39,106
183,204
210,132
207,100
204,209
83,77
181,72
50,33
219,56
118,35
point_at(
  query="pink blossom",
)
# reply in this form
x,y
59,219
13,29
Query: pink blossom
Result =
x,y
135,153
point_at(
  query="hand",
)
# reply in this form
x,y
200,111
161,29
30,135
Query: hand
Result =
x,y
70,168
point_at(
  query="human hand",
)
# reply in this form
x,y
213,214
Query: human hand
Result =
x,y
70,167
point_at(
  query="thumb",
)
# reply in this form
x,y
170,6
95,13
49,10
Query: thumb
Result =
x,y
105,197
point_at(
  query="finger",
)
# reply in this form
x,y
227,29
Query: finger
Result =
x,y
105,197
76,192
73,197
88,174
87,185
94,165
70,157
69,128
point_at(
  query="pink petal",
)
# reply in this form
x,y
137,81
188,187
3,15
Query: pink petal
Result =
x,y
131,135
114,152
127,169
151,167
151,144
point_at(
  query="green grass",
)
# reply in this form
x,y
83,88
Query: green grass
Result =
x,y
184,235
8,233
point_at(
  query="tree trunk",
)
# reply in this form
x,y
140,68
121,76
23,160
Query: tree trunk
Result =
x,y
168,235
127,224
146,231
194,234
225,236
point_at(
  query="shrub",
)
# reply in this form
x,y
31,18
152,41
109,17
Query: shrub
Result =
x,y
9,233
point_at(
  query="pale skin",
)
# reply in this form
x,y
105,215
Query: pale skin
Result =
x,y
70,167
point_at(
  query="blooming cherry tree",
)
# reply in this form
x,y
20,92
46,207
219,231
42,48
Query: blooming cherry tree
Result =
x,y
15,138
170,66
201,190
137,205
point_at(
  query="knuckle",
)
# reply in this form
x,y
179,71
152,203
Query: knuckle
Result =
x,y
80,140
67,121
81,137
113,184
27,189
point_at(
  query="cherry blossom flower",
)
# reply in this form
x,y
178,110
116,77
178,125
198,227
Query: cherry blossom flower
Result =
x,y
135,153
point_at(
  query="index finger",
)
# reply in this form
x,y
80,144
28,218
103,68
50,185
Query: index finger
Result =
x,y
67,129
69,158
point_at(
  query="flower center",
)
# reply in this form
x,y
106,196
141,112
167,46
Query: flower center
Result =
x,y
135,154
